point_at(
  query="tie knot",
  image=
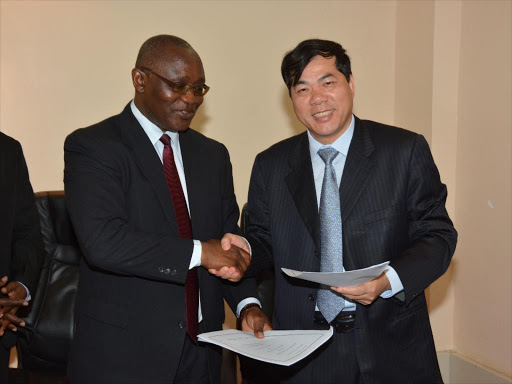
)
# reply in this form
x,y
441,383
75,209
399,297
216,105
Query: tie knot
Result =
x,y
165,139
327,154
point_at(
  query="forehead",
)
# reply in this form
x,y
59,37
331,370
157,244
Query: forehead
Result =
x,y
318,68
179,63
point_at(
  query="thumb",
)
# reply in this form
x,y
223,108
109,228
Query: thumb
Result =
x,y
226,242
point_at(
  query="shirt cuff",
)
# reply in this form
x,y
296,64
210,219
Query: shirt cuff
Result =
x,y
394,281
249,245
195,260
28,298
244,302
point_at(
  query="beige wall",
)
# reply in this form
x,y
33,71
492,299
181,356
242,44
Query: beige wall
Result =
x,y
66,64
482,278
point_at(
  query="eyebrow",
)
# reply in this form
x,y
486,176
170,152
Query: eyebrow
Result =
x,y
302,82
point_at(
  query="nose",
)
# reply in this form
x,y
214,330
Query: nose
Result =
x,y
189,97
318,96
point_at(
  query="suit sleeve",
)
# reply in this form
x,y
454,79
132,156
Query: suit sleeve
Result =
x,y
27,249
96,181
258,229
234,293
431,232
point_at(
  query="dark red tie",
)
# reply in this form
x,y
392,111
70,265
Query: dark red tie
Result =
x,y
185,231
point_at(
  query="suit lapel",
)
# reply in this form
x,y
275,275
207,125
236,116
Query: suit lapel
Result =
x,y
147,160
358,167
192,167
302,186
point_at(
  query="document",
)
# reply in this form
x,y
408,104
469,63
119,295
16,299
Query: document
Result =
x,y
340,279
277,347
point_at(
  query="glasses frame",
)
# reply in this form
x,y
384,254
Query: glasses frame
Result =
x,y
182,89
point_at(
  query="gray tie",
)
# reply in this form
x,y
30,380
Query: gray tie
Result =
x,y
329,302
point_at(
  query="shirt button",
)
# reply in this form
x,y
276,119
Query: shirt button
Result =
x,y
182,324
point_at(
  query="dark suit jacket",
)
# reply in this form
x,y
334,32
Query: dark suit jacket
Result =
x,y
131,296
393,208
20,237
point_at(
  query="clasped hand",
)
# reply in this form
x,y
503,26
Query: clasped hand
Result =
x,y
365,293
229,264
9,305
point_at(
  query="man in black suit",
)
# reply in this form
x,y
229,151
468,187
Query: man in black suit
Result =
x,y
20,244
149,199
387,204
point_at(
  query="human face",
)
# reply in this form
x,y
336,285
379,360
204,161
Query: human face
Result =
x,y
168,110
323,99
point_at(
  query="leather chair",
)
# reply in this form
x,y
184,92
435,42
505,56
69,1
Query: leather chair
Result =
x,y
43,345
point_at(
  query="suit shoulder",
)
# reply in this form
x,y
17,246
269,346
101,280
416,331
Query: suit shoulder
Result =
x,y
383,134
7,143
102,130
198,139
388,130
282,148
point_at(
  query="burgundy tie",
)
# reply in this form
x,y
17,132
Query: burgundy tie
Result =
x,y
185,231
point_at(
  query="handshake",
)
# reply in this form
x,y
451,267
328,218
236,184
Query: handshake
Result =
x,y
228,258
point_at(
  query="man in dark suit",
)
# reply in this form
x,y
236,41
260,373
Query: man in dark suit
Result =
x,y
149,198
386,203
20,244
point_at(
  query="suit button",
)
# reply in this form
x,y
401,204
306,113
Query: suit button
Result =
x,y
311,297
167,271
315,253
174,272
161,269
182,324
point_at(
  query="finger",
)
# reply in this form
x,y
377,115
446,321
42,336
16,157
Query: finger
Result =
x,y
12,327
235,278
4,326
3,281
13,303
14,319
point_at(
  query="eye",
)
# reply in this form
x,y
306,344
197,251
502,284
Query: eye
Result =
x,y
330,82
301,90
180,88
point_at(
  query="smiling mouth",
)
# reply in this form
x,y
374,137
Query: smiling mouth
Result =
x,y
186,114
323,113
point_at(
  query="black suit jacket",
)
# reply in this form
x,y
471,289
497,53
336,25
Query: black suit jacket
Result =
x,y
131,296
20,237
392,207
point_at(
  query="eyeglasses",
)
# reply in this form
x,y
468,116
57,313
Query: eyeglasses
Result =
x,y
180,88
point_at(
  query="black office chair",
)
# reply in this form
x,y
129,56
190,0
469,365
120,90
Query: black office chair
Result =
x,y
43,345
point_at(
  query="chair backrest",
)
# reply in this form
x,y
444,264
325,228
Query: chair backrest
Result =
x,y
50,318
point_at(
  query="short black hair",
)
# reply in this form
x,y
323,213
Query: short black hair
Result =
x,y
150,48
297,59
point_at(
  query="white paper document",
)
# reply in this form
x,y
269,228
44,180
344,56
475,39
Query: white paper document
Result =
x,y
340,279
277,347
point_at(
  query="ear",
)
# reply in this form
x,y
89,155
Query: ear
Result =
x,y
139,80
352,86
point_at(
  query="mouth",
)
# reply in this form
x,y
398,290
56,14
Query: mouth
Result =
x,y
323,113
186,114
